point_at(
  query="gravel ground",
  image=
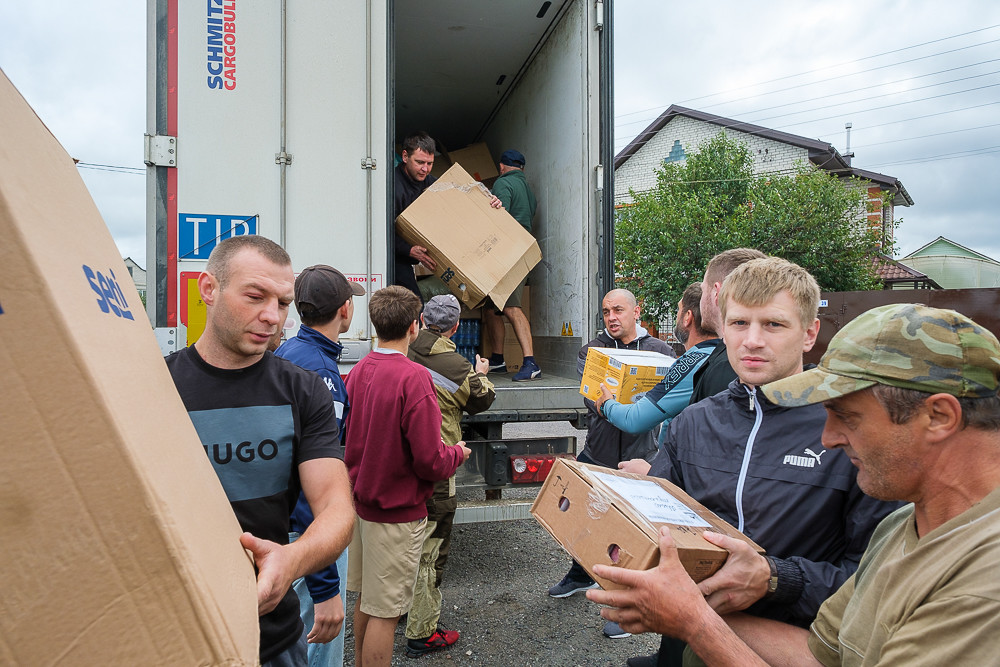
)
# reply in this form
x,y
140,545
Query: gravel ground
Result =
x,y
494,592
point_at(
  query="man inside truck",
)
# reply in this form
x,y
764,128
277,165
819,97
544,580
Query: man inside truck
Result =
x,y
410,178
269,429
911,396
761,466
512,189
606,445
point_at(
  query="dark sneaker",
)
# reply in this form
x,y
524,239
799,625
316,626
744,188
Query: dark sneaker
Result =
x,y
568,587
440,640
614,631
498,367
643,661
529,371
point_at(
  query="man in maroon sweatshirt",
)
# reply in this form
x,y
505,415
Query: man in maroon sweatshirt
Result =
x,y
394,454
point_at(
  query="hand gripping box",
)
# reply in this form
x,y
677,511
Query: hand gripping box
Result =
x,y
119,546
610,517
629,374
480,251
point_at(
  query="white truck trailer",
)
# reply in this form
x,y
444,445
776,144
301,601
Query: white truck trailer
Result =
x,y
282,119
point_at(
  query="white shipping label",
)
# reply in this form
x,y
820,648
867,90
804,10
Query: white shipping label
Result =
x,y
653,501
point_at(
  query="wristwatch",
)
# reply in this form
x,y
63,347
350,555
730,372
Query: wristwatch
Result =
x,y
772,581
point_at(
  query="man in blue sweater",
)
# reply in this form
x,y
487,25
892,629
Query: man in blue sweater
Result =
x,y
325,303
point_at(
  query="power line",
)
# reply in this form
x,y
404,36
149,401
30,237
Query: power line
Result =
x,y
878,85
888,106
927,136
111,167
820,69
875,97
861,129
975,152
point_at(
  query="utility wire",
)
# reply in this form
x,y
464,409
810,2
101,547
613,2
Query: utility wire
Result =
x,y
111,167
737,123
875,97
857,90
820,69
926,136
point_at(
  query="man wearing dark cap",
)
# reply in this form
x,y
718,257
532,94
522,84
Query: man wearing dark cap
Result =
x,y
458,387
324,299
911,396
512,189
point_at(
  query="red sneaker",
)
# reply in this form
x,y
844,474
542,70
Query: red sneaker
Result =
x,y
441,639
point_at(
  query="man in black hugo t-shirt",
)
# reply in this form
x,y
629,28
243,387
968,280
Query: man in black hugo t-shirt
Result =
x,y
269,429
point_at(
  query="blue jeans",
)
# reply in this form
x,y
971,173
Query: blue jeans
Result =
x,y
330,654
293,656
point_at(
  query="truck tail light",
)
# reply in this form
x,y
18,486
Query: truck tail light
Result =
x,y
530,468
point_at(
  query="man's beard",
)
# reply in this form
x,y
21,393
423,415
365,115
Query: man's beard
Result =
x,y
681,333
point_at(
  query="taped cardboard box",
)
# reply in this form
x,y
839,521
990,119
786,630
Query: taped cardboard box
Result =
x,y
609,517
119,545
479,250
629,374
476,161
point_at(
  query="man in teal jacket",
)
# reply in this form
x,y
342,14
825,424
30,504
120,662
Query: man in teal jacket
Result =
x,y
512,189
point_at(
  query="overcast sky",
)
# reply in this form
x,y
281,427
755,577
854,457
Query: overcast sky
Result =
x,y
920,81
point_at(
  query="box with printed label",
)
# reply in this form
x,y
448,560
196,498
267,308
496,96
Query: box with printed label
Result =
x,y
119,545
629,374
603,516
479,251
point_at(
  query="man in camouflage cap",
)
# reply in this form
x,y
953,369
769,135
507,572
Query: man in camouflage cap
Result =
x,y
911,395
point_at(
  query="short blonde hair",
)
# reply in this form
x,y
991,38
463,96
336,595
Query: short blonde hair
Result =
x,y
758,281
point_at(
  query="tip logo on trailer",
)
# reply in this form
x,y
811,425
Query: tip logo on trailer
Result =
x,y
221,63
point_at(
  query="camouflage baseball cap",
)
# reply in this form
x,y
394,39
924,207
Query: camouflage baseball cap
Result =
x,y
902,345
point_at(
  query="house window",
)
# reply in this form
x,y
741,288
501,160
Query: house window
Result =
x,y
676,153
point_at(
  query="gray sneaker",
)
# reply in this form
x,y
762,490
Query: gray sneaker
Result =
x,y
614,631
568,587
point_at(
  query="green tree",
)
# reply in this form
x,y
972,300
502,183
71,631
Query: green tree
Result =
x,y
713,202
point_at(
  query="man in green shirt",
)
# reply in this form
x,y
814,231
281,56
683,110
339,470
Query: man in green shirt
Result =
x,y
911,394
512,189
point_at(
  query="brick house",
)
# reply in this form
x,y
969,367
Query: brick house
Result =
x,y
679,130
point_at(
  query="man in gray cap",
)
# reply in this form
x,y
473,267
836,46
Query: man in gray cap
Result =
x,y
324,299
511,187
911,394
458,387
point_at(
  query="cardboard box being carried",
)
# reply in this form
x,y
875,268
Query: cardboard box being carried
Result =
x,y
119,545
479,250
475,160
609,517
629,374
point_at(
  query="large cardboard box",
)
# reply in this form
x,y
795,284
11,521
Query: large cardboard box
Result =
x,y
609,517
629,374
476,160
118,544
479,250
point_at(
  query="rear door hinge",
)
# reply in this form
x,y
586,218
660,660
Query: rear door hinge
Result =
x,y
159,150
283,158
369,163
